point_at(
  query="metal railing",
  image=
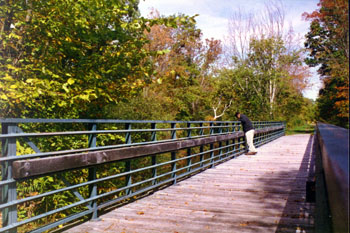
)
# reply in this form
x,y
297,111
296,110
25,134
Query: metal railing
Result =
x,y
58,171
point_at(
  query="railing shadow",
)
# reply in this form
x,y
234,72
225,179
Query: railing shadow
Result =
x,y
302,211
290,185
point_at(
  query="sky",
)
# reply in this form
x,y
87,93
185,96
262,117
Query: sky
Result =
x,y
214,16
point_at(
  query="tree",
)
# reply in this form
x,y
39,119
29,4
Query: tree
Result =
x,y
245,26
328,46
268,79
57,55
71,58
236,86
266,63
183,74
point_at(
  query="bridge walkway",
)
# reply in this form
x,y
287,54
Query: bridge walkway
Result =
x,y
261,193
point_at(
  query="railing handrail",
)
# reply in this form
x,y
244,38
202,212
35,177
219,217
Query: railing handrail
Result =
x,y
28,168
103,121
334,147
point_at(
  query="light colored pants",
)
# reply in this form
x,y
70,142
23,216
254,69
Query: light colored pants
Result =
x,y
249,138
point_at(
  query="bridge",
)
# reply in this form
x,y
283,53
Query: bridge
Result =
x,y
170,176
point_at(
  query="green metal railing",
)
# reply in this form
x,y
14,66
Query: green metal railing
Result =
x,y
75,169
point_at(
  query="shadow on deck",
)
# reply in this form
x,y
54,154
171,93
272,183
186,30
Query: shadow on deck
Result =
x,y
262,193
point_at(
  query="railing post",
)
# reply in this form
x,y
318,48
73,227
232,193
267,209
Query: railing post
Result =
x,y
220,143
228,141
211,129
232,148
173,154
92,174
201,148
235,141
211,145
265,134
128,178
154,157
189,160
9,193
259,135
241,142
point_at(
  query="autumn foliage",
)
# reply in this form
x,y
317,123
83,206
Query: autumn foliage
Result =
x,y
328,46
101,59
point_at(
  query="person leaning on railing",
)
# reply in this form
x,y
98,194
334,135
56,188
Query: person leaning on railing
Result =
x,y
248,131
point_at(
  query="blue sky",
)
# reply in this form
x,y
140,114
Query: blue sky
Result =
x,y
214,16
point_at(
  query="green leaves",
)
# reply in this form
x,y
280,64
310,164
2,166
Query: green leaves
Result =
x,y
68,48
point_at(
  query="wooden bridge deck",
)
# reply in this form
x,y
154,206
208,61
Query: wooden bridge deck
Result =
x,y
261,193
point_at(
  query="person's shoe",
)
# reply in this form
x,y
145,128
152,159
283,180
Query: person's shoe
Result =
x,y
251,153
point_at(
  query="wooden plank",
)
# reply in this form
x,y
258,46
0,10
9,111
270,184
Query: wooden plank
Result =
x,y
238,208
40,166
226,199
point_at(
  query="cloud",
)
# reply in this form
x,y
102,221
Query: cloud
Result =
x,y
214,15
212,27
212,19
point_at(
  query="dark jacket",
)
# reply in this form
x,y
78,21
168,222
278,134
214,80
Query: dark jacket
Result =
x,y
246,123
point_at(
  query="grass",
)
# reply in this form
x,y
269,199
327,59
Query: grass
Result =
x,y
302,129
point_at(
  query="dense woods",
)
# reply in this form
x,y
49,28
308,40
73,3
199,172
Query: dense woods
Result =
x,y
101,59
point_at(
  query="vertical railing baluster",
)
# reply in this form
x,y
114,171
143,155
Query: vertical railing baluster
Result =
x,y
173,154
211,132
189,160
154,157
256,138
9,192
257,141
233,148
227,141
234,140
201,130
201,148
266,133
238,146
128,180
220,143
211,129
241,141
189,131
262,135
92,173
